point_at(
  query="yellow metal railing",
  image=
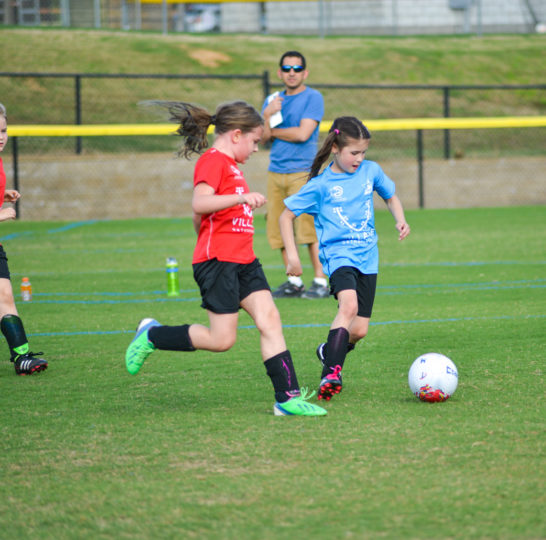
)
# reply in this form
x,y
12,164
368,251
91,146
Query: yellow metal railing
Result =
x,y
401,124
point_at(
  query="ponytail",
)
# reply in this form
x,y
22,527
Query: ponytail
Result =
x,y
194,122
322,155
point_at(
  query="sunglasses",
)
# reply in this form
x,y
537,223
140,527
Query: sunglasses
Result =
x,y
297,69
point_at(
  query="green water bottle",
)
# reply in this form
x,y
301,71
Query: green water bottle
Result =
x,y
173,285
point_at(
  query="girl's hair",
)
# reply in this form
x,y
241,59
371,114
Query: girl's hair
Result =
x,y
194,122
3,112
343,130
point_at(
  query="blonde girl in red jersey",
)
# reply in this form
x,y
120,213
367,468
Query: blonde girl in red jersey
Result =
x,y
229,275
11,325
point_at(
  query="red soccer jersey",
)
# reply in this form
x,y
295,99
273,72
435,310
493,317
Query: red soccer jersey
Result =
x,y
2,183
227,234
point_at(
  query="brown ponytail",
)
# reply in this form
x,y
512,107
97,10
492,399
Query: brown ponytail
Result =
x,y
194,122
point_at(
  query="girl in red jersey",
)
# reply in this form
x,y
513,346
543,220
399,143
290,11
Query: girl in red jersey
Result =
x,y
229,275
25,362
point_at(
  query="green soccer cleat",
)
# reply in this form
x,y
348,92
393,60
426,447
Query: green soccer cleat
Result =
x,y
140,348
298,406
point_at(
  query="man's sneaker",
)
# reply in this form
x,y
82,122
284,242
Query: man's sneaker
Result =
x,y
27,364
288,290
140,348
298,406
330,385
316,291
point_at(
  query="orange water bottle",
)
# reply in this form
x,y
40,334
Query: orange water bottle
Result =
x,y
26,290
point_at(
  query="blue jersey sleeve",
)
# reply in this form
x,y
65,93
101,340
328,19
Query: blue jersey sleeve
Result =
x,y
306,200
383,184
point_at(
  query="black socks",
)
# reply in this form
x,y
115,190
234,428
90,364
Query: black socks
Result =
x,y
336,350
171,338
283,376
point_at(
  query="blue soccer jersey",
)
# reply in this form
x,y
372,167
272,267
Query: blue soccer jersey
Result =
x,y
290,157
342,207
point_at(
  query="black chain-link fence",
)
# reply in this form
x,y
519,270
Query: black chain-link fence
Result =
x,y
67,177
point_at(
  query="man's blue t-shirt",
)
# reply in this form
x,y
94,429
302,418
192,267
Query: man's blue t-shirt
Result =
x,y
290,157
342,207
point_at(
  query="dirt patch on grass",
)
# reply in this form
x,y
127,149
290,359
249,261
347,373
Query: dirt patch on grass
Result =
x,y
209,58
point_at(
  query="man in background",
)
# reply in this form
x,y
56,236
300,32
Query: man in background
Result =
x,y
292,119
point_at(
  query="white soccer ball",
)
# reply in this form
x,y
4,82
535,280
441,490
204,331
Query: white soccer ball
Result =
x,y
433,377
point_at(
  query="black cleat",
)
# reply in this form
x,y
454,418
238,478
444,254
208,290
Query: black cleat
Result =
x,y
27,364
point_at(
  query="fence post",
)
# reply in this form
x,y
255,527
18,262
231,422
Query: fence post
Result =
x,y
15,158
164,18
96,11
322,19
65,13
78,102
394,14
447,142
138,15
124,18
420,168
266,84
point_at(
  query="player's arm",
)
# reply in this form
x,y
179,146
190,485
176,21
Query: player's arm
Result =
x,y
206,201
7,214
286,223
295,134
395,208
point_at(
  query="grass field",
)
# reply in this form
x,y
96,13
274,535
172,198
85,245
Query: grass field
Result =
x,y
189,448
446,59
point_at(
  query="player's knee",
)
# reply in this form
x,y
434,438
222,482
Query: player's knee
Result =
x,y
269,320
224,343
6,295
359,331
349,309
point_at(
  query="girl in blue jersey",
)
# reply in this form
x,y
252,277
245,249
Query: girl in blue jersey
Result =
x,y
340,199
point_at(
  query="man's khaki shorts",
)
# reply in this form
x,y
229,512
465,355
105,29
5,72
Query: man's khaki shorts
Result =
x,y
280,186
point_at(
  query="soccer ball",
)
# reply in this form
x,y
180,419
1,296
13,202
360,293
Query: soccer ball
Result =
x,y
433,377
